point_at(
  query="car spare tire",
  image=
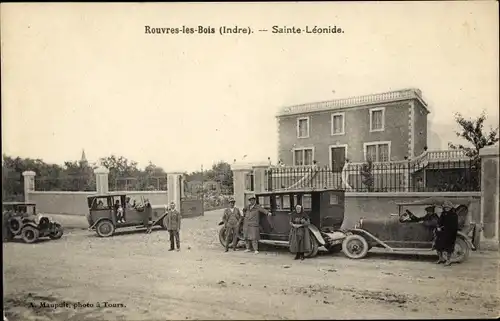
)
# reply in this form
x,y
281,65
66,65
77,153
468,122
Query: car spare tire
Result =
x,y
15,225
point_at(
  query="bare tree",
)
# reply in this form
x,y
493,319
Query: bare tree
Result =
x,y
472,130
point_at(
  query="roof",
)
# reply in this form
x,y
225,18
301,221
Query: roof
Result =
x,y
302,190
106,195
439,201
355,101
18,203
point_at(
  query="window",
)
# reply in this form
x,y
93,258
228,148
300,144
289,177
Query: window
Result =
x,y
286,202
378,152
303,156
265,202
249,182
283,202
338,124
307,202
303,127
377,119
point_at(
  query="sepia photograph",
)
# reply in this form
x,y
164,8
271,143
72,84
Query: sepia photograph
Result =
x,y
250,160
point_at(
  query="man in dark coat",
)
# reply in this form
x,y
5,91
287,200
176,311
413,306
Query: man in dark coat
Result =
x,y
251,226
232,219
430,220
446,233
299,237
174,226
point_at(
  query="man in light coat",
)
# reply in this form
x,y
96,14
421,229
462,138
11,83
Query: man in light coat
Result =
x,y
251,224
232,219
174,226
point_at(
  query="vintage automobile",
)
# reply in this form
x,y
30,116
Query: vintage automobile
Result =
x,y
324,207
405,233
103,217
21,219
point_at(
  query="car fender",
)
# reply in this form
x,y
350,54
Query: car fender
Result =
x,y
100,220
317,234
30,224
370,237
160,219
466,239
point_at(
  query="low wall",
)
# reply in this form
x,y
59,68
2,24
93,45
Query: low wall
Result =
x,y
75,203
358,205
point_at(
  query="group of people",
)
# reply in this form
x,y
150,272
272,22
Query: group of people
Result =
x,y
445,227
299,237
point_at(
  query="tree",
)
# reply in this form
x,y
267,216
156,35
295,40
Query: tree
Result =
x,y
472,130
367,174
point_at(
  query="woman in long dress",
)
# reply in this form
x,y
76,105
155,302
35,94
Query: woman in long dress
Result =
x,y
299,238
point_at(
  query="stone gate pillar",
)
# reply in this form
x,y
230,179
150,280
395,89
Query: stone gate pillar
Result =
x,y
240,186
101,180
490,196
29,184
261,181
175,188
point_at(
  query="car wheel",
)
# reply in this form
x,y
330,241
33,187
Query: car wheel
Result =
x,y
29,234
105,228
58,233
461,252
222,236
355,246
15,225
314,247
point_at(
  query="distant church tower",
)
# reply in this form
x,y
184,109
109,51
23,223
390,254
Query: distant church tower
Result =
x,y
83,160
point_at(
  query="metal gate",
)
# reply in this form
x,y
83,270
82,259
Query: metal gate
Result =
x,y
192,202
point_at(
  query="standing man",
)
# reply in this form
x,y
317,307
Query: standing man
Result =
x,y
251,226
232,220
446,233
174,226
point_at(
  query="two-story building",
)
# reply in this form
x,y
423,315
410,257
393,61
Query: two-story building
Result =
x,y
384,127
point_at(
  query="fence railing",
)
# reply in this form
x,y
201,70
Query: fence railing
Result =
x,y
158,183
407,176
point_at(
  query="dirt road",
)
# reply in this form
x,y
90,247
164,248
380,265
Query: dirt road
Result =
x,y
72,278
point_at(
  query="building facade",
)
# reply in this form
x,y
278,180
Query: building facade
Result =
x,y
384,127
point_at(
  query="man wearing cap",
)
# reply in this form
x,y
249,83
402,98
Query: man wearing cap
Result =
x,y
251,226
174,226
232,219
446,233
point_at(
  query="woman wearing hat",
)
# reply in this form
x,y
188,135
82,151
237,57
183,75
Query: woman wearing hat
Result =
x,y
446,233
251,224
300,242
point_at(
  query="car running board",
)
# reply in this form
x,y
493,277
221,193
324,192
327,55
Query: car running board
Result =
x,y
273,242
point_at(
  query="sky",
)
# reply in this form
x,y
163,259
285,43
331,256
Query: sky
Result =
x,y
87,76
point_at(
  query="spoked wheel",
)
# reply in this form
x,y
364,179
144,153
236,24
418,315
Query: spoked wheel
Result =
x,y
29,234
355,246
58,232
461,252
105,228
15,225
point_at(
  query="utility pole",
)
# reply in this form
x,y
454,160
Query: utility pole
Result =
x,y
202,191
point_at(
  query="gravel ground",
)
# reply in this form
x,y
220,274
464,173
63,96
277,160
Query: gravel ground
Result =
x,y
132,276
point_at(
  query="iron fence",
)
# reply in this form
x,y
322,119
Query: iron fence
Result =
x,y
155,183
407,176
